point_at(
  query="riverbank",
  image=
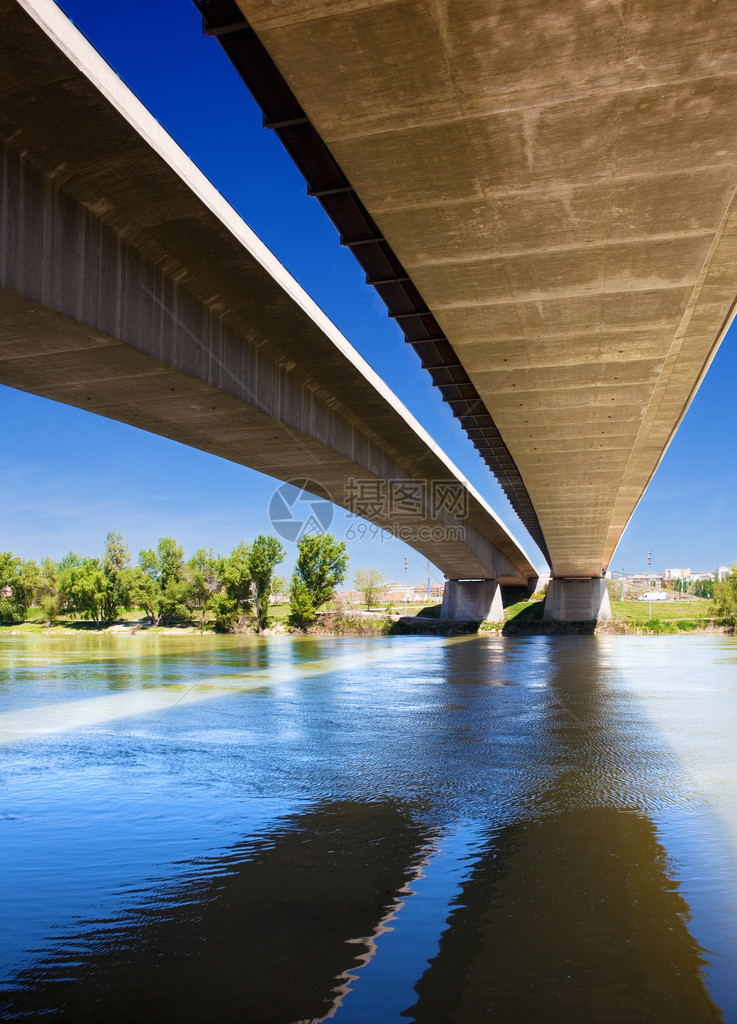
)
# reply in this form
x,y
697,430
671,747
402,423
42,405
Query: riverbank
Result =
x,y
327,624
521,619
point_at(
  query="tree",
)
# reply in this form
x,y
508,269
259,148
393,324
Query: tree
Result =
x,y
82,586
144,593
148,562
202,580
171,561
225,611
64,569
47,589
370,583
233,599
165,567
118,580
17,582
172,602
266,553
322,563
725,595
301,606
704,588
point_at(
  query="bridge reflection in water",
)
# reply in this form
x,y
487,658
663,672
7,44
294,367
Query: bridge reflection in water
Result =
x,y
553,897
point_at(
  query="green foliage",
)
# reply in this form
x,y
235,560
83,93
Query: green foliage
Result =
x,y
280,585
202,581
95,589
46,595
725,595
15,589
143,592
172,603
18,581
166,601
82,586
266,553
118,578
9,612
233,599
369,583
322,563
321,566
234,572
703,588
225,611
302,611
148,562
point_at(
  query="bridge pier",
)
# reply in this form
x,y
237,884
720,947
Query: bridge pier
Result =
x,y
472,601
578,600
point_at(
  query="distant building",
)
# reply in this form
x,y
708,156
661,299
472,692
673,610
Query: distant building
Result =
x,y
649,579
396,593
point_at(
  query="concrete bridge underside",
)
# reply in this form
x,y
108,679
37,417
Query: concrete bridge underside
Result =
x,y
129,288
551,190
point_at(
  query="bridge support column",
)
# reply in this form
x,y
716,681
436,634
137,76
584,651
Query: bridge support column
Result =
x,y
472,601
577,600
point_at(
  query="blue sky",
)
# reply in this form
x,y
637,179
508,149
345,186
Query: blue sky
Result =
x,y
67,477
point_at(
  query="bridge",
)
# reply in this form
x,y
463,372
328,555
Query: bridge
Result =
x,y
129,288
543,195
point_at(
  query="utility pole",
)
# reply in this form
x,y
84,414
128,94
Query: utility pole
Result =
x,y
405,585
649,588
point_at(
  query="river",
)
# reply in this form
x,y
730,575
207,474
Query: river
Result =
x,y
280,830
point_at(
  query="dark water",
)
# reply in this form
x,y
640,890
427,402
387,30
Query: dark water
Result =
x,y
411,829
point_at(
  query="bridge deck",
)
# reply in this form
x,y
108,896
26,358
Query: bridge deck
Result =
x,y
557,182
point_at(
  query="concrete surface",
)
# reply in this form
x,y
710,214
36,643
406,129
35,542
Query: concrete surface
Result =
x,y
128,287
472,601
577,600
559,181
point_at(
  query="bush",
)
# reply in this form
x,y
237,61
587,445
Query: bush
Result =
x,y
226,611
51,606
10,613
301,606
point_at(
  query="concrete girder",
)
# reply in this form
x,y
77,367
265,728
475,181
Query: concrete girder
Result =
x,y
559,187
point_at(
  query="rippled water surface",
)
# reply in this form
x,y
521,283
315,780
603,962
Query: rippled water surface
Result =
x,y
412,829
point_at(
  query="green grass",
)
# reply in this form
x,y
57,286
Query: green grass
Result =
x,y
528,611
525,612
637,611
667,617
